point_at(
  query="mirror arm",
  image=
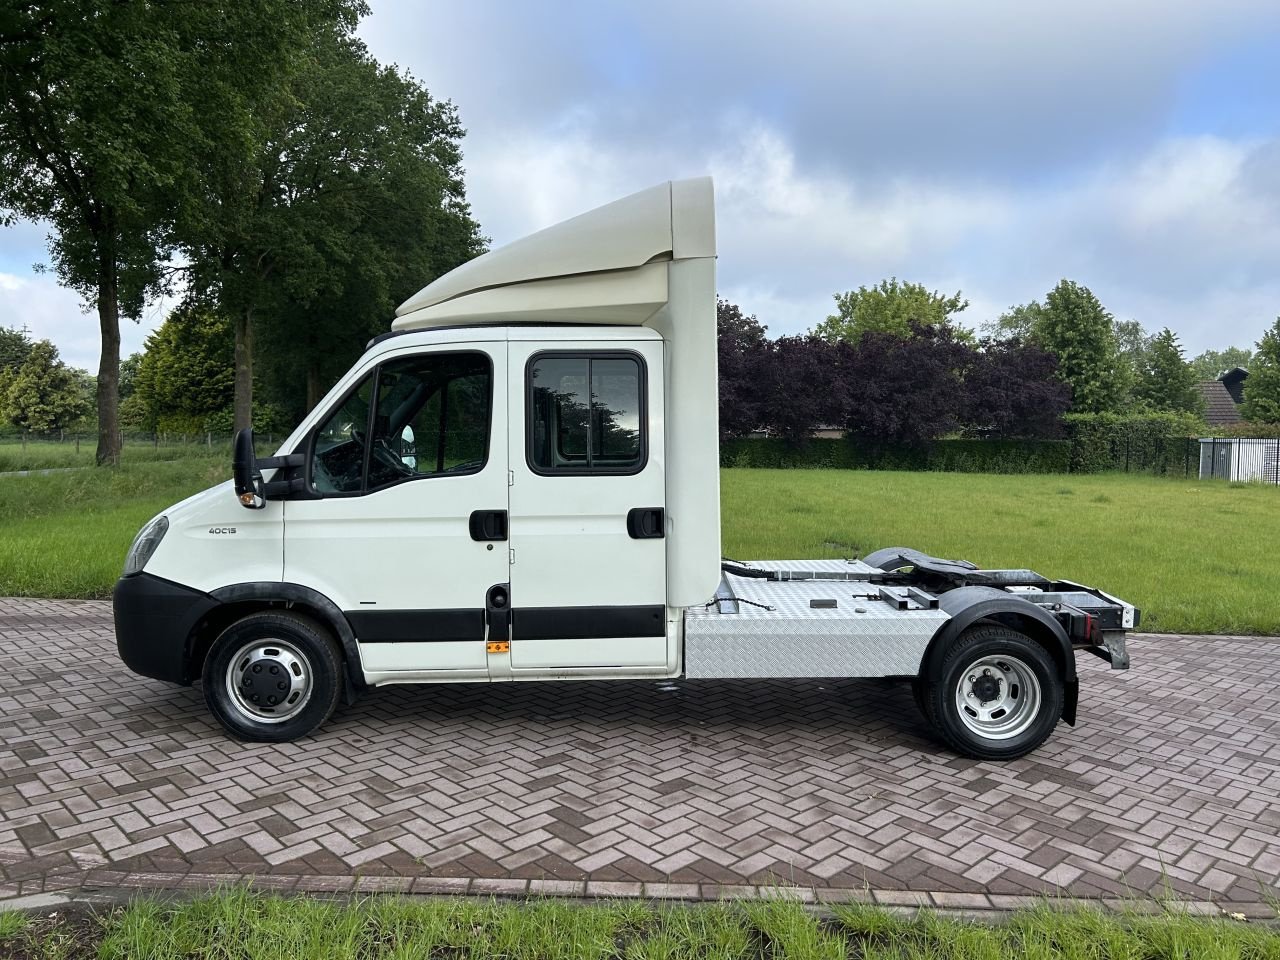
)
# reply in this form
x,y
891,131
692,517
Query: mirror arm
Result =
x,y
288,460
246,469
273,489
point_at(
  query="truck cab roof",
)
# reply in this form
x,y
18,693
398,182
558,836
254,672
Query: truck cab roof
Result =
x,y
606,266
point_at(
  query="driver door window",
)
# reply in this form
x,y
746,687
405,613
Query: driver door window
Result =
x,y
431,418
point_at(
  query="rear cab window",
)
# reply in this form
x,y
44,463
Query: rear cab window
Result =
x,y
586,413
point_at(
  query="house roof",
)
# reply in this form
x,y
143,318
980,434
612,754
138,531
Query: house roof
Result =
x,y
1234,375
1219,408
1234,380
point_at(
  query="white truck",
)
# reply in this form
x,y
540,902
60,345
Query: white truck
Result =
x,y
521,482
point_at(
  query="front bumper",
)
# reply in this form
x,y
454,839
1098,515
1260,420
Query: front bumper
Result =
x,y
154,623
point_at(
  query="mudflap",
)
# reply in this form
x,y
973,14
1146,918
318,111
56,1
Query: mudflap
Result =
x,y
1070,697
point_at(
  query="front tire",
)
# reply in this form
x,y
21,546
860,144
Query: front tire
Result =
x,y
999,694
272,677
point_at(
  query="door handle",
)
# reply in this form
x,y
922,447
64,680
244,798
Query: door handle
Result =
x,y
646,523
488,525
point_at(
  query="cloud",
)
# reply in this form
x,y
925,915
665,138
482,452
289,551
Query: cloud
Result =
x,y
1183,235
51,312
993,146
985,89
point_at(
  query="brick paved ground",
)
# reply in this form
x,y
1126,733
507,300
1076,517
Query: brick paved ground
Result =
x,y
1170,783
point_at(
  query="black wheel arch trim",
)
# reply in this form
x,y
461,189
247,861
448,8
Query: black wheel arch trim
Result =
x,y
289,593
968,605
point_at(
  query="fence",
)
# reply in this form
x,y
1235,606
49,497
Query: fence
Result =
x,y
1161,456
71,449
1086,453
1240,459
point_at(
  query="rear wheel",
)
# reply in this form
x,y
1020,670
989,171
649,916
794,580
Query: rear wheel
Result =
x,y
272,677
999,694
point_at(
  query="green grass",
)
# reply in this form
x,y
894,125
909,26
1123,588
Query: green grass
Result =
x,y
1196,557
238,923
66,534
12,925
54,455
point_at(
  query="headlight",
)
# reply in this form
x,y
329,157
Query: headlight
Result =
x,y
144,545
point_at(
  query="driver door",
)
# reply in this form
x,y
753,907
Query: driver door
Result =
x,y
404,522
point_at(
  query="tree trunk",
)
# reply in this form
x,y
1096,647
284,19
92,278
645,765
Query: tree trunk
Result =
x,y
314,391
109,364
243,404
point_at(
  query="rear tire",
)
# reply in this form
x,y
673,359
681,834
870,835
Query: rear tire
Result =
x,y
273,677
998,697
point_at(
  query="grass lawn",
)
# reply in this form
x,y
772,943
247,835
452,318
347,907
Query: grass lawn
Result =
x,y
53,455
1196,557
241,924
65,534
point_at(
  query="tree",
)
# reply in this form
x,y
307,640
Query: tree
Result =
x,y
129,367
354,199
185,377
1078,330
1262,388
1019,322
15,346
1133,341
395,216
801,385
105,109
1012,391
1026,323
1212,364
890,307
43,394
1165,380
904,389
744,355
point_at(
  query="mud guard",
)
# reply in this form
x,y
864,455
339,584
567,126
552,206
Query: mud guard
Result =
x,y
325,609
968,605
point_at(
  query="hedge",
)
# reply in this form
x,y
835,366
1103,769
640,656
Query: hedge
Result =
x,y
1163,443
953,455
1160,443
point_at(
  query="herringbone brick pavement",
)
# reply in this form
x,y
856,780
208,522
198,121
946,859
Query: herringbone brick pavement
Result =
x,y
1171,782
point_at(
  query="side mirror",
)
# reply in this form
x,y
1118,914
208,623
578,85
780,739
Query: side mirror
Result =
x,y
245,471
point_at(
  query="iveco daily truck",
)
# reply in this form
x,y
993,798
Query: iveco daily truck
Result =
x,y
521,482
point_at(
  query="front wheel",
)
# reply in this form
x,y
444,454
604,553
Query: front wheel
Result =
x,y
999,695
273,677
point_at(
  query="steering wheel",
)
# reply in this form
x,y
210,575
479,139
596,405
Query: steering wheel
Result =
x,y
389,459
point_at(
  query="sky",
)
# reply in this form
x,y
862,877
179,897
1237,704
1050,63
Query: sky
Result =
x,y
992,147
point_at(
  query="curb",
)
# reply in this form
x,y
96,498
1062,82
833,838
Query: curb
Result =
x,y
114,885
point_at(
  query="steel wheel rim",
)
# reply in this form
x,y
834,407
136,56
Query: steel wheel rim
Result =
x,y
1011,709
260,668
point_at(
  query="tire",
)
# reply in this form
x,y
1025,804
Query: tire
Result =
x,y
1011,690
272,655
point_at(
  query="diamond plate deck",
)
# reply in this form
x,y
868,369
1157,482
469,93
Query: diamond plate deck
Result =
x,y
774,631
